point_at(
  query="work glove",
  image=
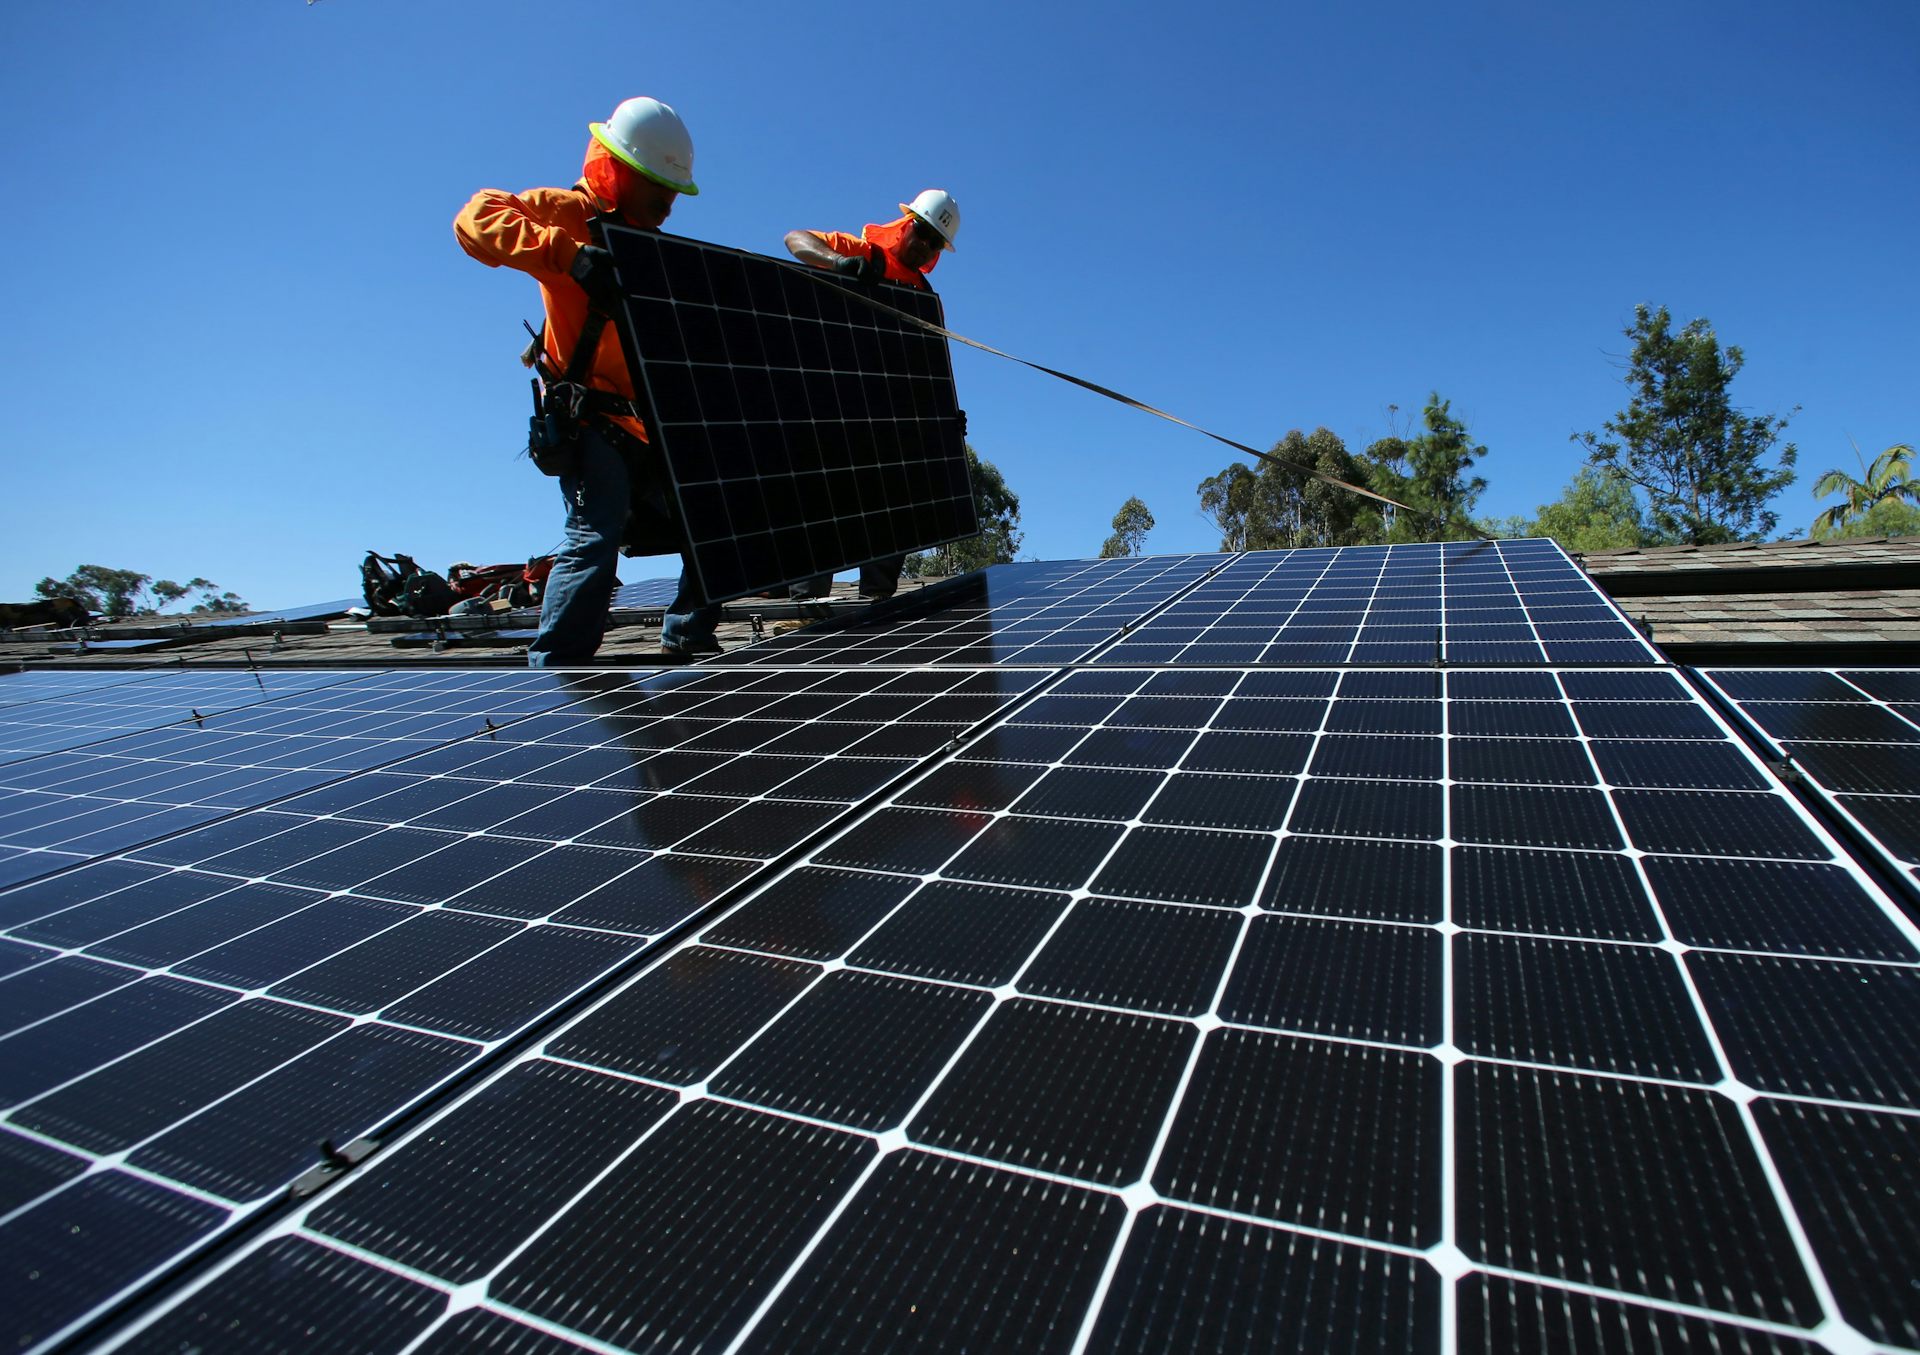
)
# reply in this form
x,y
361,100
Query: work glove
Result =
x,y
960,417
593,270
860,268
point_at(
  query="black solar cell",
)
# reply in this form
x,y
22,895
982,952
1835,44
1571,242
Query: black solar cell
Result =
x,y
803,431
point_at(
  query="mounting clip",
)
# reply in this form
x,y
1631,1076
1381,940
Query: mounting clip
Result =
x,y
759,624
333,1163
1786,770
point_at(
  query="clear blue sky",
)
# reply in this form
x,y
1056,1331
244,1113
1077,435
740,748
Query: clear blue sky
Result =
x,y
241,341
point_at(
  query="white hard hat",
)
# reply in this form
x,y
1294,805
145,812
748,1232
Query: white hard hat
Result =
x,y
936,207
649,136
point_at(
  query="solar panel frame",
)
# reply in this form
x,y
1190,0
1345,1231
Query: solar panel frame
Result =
x,y
802,431
1853,735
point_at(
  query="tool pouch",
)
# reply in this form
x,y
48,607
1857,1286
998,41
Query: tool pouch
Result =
x,y
553,433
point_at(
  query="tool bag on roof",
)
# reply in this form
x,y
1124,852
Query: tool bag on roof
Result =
x,y
522,585
395,585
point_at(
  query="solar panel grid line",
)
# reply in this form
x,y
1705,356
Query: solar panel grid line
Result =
x,y
1448,1257
1811,1263
127,1169
1836,1338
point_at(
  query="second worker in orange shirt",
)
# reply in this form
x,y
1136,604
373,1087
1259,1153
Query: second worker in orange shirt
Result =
x,y
902,251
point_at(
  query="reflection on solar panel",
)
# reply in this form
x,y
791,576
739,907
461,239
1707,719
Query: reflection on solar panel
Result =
x,y
646,593
804,432
195,1015
1216,1009
1064,1005
19,688
1855,734
1044,614
258,737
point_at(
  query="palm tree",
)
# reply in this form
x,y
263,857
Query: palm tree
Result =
x,y
1888,479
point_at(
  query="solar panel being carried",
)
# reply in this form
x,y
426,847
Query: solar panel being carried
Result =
x,y
804,431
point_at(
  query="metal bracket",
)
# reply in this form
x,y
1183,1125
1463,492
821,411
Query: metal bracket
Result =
x,y
759,626
1786,770
333,1163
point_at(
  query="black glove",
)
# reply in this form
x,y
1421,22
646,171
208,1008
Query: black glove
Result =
x,y
860,268
593,270
961,416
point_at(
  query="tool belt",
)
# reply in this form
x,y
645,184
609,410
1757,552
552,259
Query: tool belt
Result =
x,y
561,411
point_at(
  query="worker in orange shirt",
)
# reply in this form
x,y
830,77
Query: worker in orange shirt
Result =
x,y
902,251
638,162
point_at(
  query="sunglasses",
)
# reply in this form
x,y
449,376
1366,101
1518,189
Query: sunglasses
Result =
x,y
928,236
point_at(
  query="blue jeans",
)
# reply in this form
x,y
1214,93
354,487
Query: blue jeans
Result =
x,y
573,614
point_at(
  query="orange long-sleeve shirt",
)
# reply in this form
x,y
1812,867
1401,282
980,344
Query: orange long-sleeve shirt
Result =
x,y
538,232
889,238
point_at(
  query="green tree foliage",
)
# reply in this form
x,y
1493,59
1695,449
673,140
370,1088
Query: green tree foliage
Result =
x,y
1696,460
1000,534
1431,474
1130,527
1596,511
118,594
112,593
1885,501
1276,506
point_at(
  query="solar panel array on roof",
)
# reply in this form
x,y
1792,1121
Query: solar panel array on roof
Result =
x,y
312,611
1459,603
804,431
1062,1005
645,593
1853,732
